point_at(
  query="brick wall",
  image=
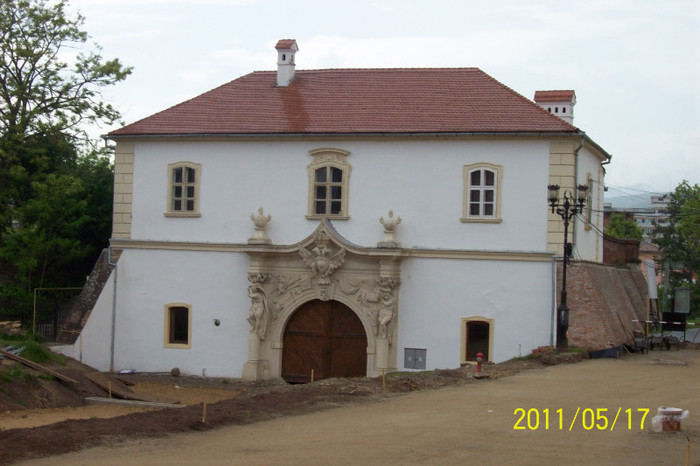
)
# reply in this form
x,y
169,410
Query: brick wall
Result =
x,y
603,301
618,251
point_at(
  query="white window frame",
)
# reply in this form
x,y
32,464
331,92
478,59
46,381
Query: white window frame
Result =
x,y
467,216
328,158
172,184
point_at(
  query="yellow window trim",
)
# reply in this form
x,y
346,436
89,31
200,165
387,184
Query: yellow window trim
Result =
x,y
166,328
463,338
169,212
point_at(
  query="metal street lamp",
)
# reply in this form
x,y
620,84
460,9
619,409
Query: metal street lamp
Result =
x,y
567,208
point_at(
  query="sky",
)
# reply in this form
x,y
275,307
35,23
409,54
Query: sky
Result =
x,y
634,64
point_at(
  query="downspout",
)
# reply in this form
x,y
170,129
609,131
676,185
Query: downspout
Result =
x,y
552,322
114,308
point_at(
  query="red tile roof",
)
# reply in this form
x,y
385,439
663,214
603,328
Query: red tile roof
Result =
x,y
554,96
285,43
355,101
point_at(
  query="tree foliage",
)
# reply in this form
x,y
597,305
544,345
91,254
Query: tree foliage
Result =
x,y
679,241
50,84
55,185
623,228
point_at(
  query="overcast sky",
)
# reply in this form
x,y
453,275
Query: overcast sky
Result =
x,y
634,64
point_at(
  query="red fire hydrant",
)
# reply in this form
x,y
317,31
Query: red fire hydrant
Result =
x,y
479,358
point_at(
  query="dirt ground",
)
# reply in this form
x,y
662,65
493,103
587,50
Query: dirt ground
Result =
x,y
466,420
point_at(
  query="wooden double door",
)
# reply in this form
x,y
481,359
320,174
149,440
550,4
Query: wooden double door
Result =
x,y
326,337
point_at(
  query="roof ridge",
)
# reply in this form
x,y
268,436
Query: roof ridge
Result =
x,y
415,68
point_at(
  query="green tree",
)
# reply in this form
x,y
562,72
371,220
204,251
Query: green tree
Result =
x,y
46,230
50,84
623,228
679,241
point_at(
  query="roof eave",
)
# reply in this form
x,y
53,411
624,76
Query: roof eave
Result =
x,y
579,133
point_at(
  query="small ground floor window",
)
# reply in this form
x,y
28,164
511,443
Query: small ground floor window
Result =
x,y
477,337
178,325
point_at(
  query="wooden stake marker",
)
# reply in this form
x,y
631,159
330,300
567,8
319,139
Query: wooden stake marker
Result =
x,y
204,413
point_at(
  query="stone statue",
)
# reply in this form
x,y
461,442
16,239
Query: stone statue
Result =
x,y
260,221
258,315
387,306
386,314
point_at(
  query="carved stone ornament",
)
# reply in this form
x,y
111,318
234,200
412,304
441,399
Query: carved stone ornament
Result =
x,y
323,260
387,306
260,221
259,313
390,223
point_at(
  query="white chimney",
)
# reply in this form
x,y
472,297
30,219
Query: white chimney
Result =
x,y
286,48
559,103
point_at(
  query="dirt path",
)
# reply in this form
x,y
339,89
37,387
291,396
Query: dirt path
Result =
x,y
472,423
182,395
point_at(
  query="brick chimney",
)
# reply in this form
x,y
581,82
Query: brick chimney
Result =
x,y
559,103
286,48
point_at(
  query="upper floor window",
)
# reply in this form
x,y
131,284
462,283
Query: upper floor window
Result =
x,y
482,193
328,184
183,190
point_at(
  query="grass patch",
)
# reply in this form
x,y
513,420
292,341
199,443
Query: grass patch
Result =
x,y
10,374
525,358
4,337
33,350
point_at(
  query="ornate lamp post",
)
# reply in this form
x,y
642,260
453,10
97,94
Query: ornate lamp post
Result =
x,y
567,208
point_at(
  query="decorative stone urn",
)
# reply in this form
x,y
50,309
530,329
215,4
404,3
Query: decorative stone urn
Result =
x,y
390,223
260,221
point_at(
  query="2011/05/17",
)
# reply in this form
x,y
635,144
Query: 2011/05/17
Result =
x,y
598,418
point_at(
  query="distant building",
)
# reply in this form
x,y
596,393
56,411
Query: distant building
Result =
x,y
648,218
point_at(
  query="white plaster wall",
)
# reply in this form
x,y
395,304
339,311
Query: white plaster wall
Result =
x,y
437,293
214,284
420,180
93,344
589,242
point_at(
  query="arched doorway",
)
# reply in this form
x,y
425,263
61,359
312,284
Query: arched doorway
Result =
x,y
326,337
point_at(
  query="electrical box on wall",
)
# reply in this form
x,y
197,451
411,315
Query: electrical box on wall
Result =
x,y
414,358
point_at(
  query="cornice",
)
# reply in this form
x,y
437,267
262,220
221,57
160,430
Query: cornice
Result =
x,y
398,253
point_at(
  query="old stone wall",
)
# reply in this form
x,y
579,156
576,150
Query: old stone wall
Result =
x,y
80,309
604,300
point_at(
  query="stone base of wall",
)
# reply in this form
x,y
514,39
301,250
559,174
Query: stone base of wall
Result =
x,y
603,301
